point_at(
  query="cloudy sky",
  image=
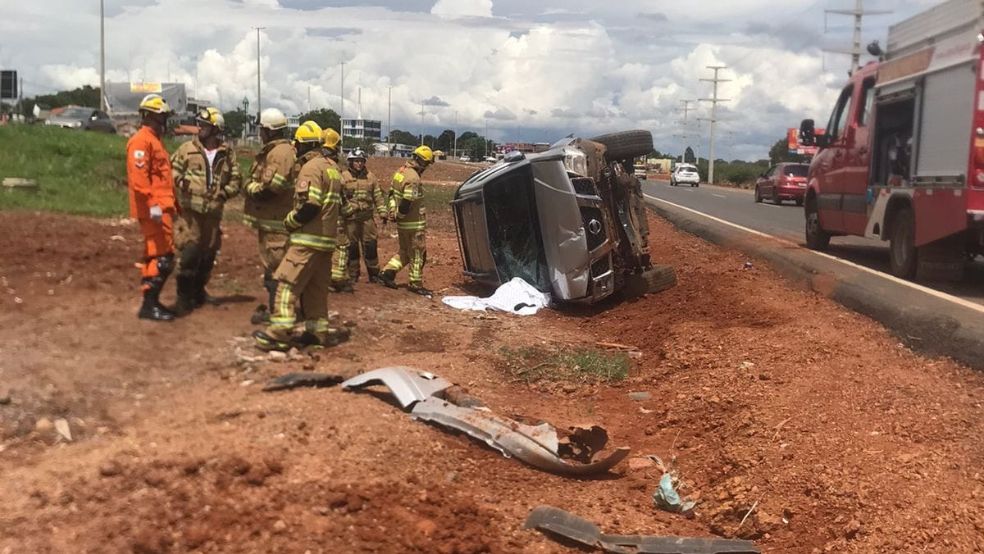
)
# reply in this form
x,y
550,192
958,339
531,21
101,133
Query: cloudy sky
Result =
x,y
534,70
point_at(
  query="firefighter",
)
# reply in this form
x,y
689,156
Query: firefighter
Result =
x,y
206,174
340,281
152,203
305,271
407,210
269,197
362,190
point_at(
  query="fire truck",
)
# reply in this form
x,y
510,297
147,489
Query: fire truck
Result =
x,y
902,158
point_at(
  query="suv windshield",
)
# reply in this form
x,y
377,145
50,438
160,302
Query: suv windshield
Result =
x,y
514,234
796,170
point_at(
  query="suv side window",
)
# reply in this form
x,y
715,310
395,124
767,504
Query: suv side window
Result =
x,y
838,119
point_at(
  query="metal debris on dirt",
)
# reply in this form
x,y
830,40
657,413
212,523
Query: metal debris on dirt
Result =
x,y
537,445
667,498
302,379
557,523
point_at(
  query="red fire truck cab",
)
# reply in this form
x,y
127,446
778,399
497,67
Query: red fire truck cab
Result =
x,y
902,159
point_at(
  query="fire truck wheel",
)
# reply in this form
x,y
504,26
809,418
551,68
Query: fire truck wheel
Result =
x,y
902,249
816,237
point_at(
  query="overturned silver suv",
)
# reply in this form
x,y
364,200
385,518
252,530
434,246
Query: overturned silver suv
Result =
x,y
570,221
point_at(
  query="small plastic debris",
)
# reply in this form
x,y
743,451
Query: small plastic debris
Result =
x,y
667,498
63,429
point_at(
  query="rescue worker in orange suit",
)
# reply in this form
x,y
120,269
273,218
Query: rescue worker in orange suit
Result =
x,y
407,210
206,174
269,197
305,271
152,204
364,193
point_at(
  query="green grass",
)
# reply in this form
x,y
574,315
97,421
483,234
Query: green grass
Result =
x,y
78,172
437,197
581,365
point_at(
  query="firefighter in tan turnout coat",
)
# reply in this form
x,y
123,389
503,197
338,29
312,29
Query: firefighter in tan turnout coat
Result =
x,y
363,192
406,208
305,271
206,174
269,197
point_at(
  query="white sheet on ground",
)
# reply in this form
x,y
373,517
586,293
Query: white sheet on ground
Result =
x,y
516,297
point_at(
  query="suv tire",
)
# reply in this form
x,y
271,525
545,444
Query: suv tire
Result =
x,y
626,144
656,279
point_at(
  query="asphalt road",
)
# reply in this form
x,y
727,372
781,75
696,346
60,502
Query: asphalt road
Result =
x,y
786,222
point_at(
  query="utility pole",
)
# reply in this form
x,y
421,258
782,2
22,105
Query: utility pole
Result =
x,y
714,100
686,109
858,13
454,149
102,56
485,143
389,117
259,100
421,122
309,98
341,116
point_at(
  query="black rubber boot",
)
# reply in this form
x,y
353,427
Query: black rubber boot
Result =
x,y
151,309
419,289
373,275
202,296
388,278
342,286
186,295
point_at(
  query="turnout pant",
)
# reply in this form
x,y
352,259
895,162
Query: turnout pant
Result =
x,y
273,247
363,243
413,253
305,273
339,268
198,238
158,254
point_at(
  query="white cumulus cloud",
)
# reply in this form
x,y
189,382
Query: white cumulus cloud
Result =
x,y
462,8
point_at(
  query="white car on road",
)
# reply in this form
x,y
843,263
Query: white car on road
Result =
x,y
685,174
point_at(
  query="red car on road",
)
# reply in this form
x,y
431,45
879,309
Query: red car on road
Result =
x,y
785,181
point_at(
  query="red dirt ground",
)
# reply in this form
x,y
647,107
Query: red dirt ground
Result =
x,y
842,439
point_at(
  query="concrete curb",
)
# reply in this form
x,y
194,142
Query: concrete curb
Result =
x,y
923,322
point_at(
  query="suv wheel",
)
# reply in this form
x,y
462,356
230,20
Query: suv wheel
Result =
x,y
656,279
627,144
816,237
758,195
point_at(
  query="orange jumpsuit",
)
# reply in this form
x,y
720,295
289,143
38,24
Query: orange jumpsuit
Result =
x,y
148,170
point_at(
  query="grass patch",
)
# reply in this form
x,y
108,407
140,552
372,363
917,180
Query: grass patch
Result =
x,y
78,172
438,197
582,365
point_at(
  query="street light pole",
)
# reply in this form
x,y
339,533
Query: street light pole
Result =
x,y
454,153
341,116
259,100
102,56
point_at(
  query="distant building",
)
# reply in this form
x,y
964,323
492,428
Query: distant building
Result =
x,y
362,129
392,150
524,147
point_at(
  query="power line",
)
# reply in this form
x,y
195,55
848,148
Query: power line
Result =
x,y
714,100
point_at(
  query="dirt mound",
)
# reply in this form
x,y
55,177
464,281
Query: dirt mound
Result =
x,y
445,172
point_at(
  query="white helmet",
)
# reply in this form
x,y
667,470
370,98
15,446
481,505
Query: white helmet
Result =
x,y
273,119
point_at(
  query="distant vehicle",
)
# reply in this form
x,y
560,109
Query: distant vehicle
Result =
x,y
491,159
785,181
466,158
902,159
685,174
570,221
639,170
88,119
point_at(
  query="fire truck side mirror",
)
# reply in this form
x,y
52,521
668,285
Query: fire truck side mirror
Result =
x,y
807,133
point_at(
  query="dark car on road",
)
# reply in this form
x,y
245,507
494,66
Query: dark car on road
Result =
x,y
88,119
785,181
570,221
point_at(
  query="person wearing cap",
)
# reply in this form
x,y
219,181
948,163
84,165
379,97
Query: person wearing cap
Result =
x,y
406,207
152,203
305,271
206,174
269,198
362,189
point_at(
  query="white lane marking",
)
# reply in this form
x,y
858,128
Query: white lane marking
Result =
x,y
915,286
719,195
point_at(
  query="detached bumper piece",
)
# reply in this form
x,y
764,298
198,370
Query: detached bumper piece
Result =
x,y
557,523
432,399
